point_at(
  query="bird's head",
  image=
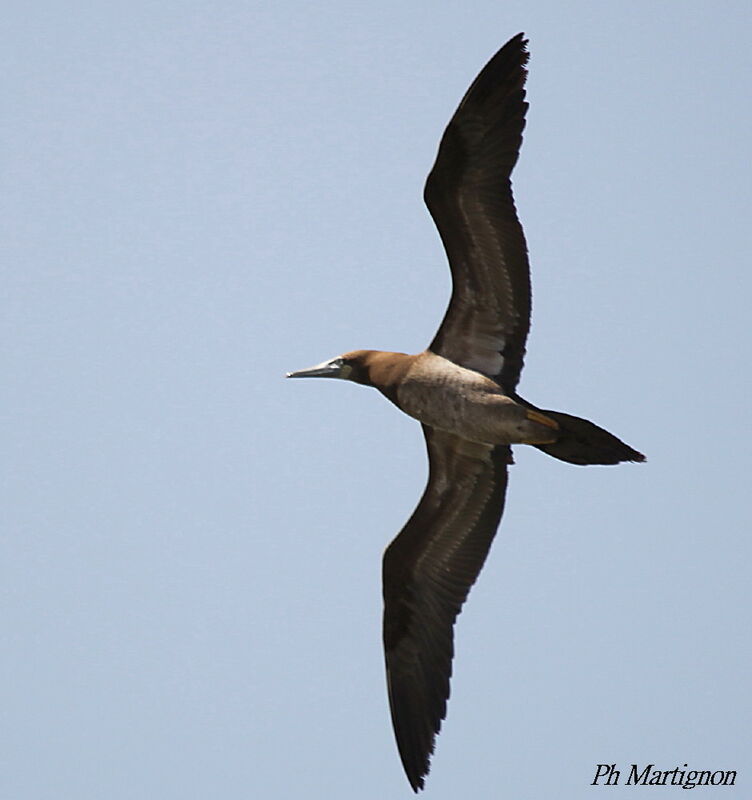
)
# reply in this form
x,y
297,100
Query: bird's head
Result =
x,y
353,366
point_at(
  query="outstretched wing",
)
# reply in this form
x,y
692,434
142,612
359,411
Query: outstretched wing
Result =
x,y
428,571
469,195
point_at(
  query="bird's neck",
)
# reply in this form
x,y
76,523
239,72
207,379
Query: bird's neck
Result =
x,y
386,371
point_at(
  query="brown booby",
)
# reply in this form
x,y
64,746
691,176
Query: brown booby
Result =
x,y
463,391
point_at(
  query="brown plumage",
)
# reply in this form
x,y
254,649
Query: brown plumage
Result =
x,y
463,391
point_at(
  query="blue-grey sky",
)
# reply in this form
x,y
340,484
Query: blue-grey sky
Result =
x,y
198,197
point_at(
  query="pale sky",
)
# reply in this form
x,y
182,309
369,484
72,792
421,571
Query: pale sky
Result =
x,y
198,197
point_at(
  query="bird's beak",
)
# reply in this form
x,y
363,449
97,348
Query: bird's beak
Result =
x,y
327,369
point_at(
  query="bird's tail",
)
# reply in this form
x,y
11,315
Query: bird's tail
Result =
x,y
583,442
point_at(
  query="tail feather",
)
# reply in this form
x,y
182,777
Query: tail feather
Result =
x,y
583,442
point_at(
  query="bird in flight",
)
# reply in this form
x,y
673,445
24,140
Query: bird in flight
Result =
x,y
463,390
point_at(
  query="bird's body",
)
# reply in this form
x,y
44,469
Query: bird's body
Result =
x,y
463,389
454,399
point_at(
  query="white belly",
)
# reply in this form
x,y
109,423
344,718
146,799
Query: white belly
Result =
x,y
446,396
